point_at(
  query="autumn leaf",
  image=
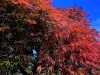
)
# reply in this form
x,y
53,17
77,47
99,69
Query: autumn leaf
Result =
x,y
31,21
39,69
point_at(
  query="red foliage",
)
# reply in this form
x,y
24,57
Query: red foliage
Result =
x,y
25,2
31,21
70,45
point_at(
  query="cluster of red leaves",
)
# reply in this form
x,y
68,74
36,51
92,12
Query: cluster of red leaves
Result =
x,y
70,45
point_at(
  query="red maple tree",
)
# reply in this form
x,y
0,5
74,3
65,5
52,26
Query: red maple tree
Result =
x,y
64,41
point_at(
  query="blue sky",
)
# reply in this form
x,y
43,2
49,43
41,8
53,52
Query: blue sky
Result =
x,y
92,7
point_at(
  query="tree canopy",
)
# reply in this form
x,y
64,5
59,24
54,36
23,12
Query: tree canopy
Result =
x,y
64,41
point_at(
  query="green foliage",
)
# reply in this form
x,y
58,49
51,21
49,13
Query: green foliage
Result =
x,y
14,40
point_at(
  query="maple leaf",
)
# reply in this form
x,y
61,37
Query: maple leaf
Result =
x,y
31,21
